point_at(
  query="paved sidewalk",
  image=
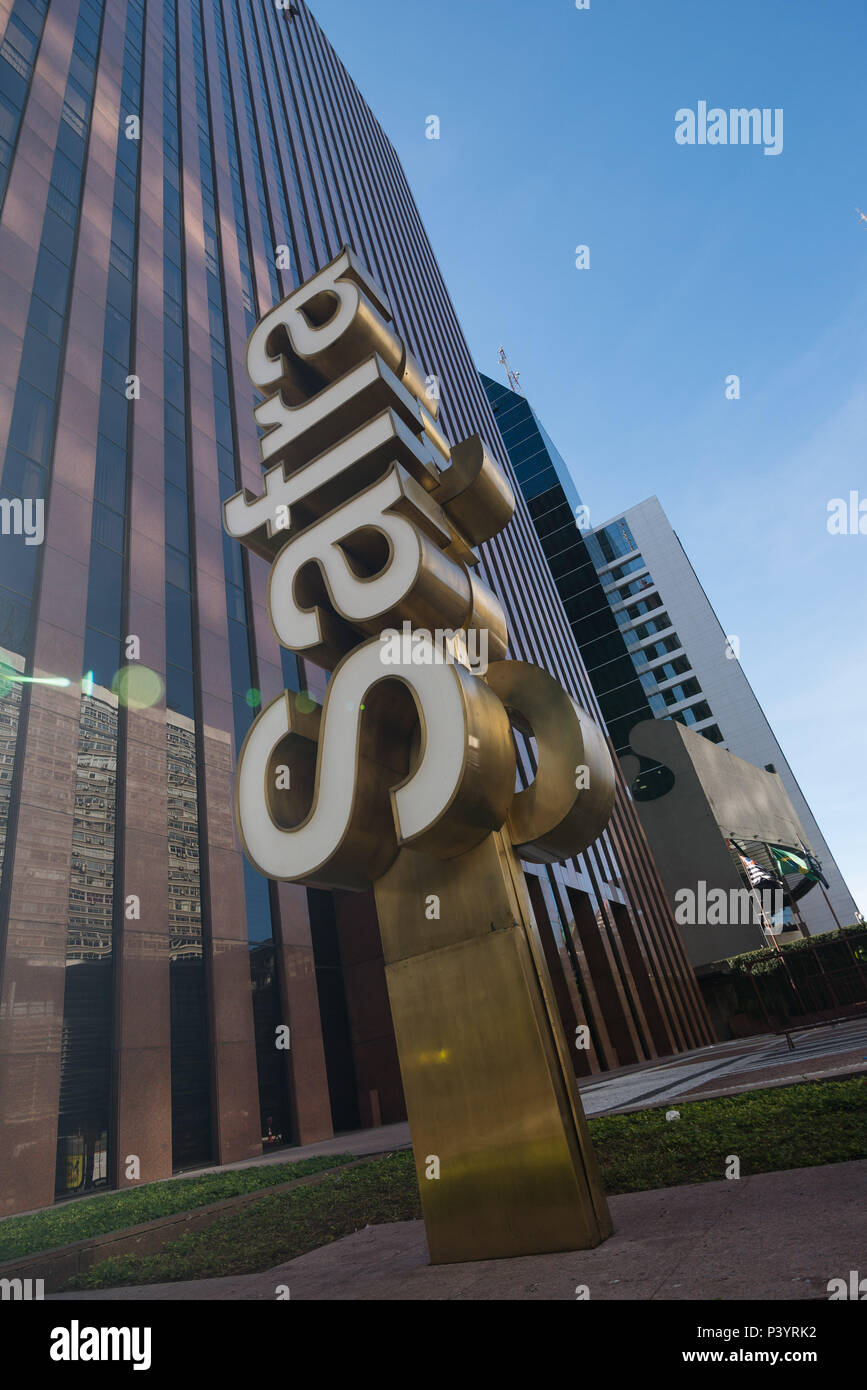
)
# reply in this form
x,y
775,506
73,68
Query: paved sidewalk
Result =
x,y
382,1139
726,1068
771,1236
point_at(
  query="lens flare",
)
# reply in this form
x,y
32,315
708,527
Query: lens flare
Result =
x,y
137,687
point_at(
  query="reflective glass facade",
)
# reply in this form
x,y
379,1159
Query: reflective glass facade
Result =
x,y
553,503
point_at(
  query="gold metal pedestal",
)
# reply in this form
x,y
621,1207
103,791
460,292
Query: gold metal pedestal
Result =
x,y
487,1074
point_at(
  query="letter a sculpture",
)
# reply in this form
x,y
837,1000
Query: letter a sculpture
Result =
x,y
405,779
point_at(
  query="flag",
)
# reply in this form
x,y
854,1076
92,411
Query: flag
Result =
x,y
816,870
759,878
789,862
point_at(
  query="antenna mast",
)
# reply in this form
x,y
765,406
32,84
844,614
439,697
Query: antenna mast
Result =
x,y
513,376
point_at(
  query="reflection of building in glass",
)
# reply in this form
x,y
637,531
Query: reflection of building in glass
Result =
x,y
10,714
185,898
191,1104
91,880
85,1068
147,1001
276,1119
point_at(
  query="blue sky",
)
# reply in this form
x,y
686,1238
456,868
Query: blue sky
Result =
x,y
557,129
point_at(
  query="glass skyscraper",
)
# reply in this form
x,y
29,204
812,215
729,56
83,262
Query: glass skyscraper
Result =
x,y
556,511
169,171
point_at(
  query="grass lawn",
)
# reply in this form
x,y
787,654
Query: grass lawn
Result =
x,y
785,1127
112,1211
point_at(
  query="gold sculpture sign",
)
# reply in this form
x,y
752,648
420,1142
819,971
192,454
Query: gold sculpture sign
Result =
x,y
405,779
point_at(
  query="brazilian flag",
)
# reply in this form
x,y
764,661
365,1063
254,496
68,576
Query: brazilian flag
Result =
x,y
788,862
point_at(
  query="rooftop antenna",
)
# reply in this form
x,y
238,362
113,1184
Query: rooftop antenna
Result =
x,y
513,376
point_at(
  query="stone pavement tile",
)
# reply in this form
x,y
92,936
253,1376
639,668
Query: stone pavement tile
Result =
x,y
646,1089
382,1139
784,1236
769,1236
840,1062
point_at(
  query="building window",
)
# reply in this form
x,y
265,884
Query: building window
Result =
x,y
684,691
630,567
614,540
19,46
645,582
658,624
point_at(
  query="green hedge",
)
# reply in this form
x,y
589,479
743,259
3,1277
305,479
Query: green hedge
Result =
x,y
768,958
799,963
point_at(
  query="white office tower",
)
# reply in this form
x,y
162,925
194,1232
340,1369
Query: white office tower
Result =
x,y
690,672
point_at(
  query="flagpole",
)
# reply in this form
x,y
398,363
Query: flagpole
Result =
x,y
755,892
796,911
768,920
831,910
783,961
824,894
